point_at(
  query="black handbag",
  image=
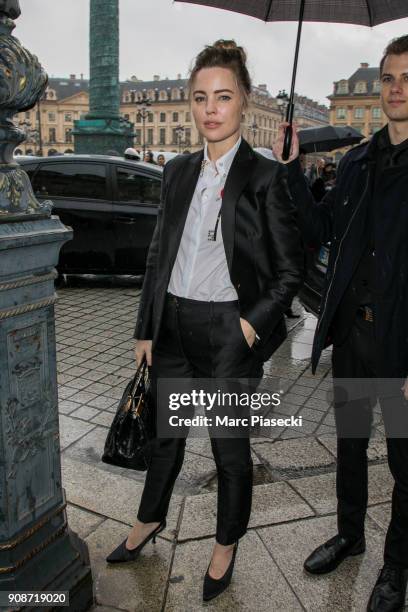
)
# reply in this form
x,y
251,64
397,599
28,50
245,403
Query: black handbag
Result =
x,y
127,443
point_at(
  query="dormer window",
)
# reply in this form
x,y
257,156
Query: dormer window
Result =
x,y
360,87
342,87
50,94
376,87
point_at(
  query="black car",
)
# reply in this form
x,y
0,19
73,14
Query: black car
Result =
x,y
111,204
311,292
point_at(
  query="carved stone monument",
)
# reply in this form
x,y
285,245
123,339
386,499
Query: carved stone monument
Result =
x,y
37,550
103,128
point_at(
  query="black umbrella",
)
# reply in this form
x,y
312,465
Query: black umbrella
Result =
x,y
328,137
362,12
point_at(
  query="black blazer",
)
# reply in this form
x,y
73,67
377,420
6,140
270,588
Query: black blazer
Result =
x,y
261,241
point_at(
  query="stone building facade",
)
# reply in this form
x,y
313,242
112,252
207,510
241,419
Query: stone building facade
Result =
x,y
356,101
168,124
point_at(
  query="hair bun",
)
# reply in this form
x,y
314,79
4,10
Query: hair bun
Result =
x,y
231,45
224,54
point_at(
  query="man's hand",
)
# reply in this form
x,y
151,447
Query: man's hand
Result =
x,y
142,348
248,331
404,389
278,146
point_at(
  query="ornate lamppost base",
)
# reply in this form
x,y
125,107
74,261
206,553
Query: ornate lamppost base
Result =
x,y
38,552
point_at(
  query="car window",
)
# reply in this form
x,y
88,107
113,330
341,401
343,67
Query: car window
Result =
x,y
30,169
136,187
71,180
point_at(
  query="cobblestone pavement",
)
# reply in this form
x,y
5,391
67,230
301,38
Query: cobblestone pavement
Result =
x,y
294,500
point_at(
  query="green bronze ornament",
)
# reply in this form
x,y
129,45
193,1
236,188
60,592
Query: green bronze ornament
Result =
x,y
22,82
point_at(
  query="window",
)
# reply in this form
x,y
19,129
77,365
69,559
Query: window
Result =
x,y
68,135
52,135
136,187
359,113
150,136
162,136
127,117
138,136
51,117
360,87
162,117
341,113
342,87
175,117
71,180
188,116
376,87
376,112
138,118
187,136
150,117
68,117
30,168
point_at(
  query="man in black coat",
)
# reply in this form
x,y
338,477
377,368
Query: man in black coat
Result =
x,y
364,314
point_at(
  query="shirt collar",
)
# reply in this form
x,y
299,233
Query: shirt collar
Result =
x,y
223,164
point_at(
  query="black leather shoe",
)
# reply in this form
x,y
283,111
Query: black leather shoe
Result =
x,y
212,587
389,592
121,554
330,554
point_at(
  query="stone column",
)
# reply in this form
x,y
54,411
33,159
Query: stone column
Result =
x,y
103,130
104,94
37,550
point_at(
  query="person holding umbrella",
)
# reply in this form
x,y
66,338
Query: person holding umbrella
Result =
x,y
224,264
364,314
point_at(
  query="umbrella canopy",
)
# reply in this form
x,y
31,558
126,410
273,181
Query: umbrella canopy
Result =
x,y
360,12
328,137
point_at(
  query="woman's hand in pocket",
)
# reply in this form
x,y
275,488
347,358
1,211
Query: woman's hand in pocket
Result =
x,y
143,348
248,331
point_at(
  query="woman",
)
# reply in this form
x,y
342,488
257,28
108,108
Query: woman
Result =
x,y
149,158
161,160
223,266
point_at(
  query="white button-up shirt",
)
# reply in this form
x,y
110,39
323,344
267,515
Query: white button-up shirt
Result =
x,y
200,271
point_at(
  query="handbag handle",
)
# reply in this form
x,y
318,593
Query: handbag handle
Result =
x,y
140,374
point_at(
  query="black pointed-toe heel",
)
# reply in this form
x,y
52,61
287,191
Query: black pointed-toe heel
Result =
x,y
121,554
213,587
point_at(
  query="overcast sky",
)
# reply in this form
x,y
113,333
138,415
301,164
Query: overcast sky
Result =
x,y
162,37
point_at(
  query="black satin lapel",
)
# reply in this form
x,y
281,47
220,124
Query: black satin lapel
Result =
x,y
238,177
180,203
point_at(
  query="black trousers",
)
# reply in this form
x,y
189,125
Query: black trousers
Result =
x,y
203,340
355,358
